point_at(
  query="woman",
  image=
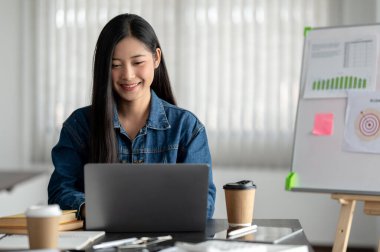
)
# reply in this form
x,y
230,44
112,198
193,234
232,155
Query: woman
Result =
x,y
133,117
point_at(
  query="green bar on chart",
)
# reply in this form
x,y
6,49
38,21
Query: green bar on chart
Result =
x,y
364,83
327,84
345,82
336,82
360,83
350,82
355,79
341,82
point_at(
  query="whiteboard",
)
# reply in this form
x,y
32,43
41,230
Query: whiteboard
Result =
x,y
320,161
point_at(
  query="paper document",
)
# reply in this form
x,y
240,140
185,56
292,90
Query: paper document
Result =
x,y
362,126
67,240
337,63
263,234
234,246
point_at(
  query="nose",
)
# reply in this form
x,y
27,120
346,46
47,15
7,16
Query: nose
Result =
x,y
128,72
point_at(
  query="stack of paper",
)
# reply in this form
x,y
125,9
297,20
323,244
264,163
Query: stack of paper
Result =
x,y
67,240
16,224
234,246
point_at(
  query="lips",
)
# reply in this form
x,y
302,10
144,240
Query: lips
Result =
x,y
129,87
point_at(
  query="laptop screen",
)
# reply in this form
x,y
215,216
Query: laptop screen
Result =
x,y
146,197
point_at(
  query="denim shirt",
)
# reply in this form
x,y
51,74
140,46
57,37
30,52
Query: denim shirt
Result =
x,y
170,135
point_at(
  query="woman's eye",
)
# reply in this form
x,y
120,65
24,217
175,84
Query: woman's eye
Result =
x,y
138,62
115,65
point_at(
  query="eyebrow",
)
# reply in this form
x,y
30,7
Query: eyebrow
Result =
x,y
135,56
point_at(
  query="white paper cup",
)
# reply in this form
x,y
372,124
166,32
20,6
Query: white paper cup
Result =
x,y
43,224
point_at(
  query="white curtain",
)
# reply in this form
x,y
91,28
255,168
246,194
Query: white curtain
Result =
x,y
234,63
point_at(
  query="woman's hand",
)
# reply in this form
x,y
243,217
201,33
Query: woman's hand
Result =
x,y
82,212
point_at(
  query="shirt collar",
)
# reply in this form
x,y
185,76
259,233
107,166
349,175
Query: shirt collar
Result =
x,y
157,116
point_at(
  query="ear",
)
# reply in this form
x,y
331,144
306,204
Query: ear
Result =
x,y
157,58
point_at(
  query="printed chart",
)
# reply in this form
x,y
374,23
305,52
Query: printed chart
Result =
x,y
336,66
340,83
358,53
362,127
368,124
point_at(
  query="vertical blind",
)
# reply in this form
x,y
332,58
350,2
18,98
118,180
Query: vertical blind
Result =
x,y
234,63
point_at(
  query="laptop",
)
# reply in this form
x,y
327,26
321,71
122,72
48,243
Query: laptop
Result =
x,y
146,197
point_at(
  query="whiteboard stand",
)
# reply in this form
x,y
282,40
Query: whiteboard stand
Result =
x,y
348,203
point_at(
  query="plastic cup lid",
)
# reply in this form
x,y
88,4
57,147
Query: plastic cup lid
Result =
x,y
43,211
240,185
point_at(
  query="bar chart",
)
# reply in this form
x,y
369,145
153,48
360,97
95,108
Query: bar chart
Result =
x,y
340,83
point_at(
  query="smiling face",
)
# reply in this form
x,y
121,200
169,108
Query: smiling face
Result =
x,y
133,66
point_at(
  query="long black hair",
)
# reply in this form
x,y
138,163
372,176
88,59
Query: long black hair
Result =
x,y
103,142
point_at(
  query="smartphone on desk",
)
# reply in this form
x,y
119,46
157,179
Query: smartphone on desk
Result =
x,y
261,234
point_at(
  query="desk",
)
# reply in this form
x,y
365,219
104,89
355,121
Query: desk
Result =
x,y
213,226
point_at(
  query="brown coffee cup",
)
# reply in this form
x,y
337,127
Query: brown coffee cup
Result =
x,y
240,197
43,226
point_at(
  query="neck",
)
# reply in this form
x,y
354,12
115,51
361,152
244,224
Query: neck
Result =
x,y
134,110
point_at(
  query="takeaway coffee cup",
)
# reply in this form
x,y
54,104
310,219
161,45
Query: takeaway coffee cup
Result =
x,y
43,223
240,197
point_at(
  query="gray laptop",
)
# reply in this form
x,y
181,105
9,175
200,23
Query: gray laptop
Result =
x,y
146,197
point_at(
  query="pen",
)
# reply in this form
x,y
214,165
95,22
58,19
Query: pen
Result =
x,y
115,243
145,241
242,230
155,239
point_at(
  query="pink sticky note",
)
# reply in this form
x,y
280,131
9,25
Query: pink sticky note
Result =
x,y
323,124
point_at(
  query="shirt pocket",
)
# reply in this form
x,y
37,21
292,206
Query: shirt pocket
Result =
x,y
167,154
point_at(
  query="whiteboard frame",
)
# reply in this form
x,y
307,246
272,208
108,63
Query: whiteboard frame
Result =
x,y
319,161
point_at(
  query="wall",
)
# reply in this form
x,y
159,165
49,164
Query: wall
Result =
x,y
10,72
13,125
317,212
358,12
